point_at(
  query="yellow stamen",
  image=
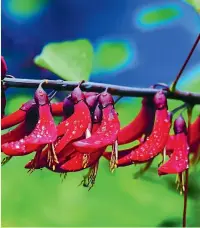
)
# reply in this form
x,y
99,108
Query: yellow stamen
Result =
x,y
114,157
89,178
52,157
85,160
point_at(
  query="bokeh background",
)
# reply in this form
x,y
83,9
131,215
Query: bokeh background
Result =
x,y
136,43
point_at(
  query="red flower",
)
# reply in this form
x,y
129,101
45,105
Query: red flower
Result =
x,y
178,161
107,133
42,159
76,125
20,115
142,124
45,131
3,68
194,141
154,143
24,128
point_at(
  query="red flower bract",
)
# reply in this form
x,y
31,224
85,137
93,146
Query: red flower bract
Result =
x,y
155,143
73,161
107,133
194,140
24,128
66,108
68,154
45,131
76,125
78,161
57,108
14,135
141,125
3,68
195,132
179,160
18,116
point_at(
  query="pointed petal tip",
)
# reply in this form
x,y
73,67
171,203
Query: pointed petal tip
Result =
x,y
13,149
28,165
107,155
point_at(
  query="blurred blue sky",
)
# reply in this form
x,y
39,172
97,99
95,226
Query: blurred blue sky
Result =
x,y
156,35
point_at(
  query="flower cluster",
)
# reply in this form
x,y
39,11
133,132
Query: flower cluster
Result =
x,y
90,124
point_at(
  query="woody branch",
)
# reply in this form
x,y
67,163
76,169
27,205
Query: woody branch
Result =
x,y
125,91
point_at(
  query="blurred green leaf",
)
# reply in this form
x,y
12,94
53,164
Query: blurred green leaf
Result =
x,y
71,60
195,4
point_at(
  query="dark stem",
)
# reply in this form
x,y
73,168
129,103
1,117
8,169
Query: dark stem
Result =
x,y
192,98
162,85
118,99
187,173
185,198
185,63
183,106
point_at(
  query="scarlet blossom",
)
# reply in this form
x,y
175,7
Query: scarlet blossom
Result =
x,y
3,68
41,158
45,131
194,141
154,143
75,124
179,160
141,125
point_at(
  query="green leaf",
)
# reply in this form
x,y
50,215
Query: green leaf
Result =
x,y
71,60
195,4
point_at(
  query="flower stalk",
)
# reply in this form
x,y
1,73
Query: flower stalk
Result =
x,y
185,63
189,112
125,91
